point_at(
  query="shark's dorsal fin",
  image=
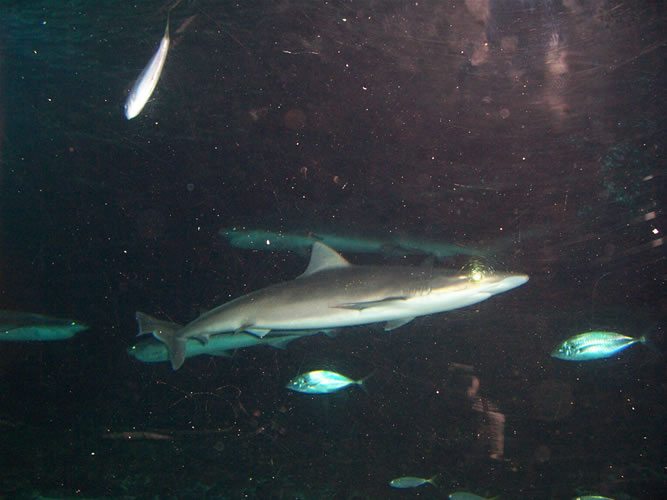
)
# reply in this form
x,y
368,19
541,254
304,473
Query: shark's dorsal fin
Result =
x,y
323,257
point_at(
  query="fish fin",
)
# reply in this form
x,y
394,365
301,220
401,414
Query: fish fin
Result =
x,y
175,347
371,303
323,257
166,35
281,343
148,324
257,332
392,325
165,332
648,342
332,334
174,5
203,338
362,382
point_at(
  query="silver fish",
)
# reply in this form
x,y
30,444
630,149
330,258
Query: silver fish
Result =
x,y
411,482
322,382
593,345
593,497
332,293
18,326
145,85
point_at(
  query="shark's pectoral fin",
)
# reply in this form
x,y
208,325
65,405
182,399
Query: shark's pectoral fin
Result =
x,y
391,325
258,332
360,306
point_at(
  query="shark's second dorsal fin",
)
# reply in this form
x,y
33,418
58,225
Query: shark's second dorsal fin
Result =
x,y
323,257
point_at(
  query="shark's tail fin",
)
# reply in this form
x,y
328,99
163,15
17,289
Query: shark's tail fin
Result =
x,y
164,331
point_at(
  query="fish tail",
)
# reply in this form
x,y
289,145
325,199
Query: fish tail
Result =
x,y
432,481
648,342
362,382
165,332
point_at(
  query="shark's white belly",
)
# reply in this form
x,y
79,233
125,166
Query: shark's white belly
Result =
x,y
339,314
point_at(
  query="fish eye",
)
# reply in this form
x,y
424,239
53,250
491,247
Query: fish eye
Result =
x,y
476,270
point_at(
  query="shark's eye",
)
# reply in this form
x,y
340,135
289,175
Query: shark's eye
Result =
x,y
476,270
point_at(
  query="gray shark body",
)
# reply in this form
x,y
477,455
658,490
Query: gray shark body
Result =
x,y
333,293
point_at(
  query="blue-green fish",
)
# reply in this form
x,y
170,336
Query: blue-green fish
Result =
x,y
259,239
18,326
411,482
464,495
593,345
154,351
322,382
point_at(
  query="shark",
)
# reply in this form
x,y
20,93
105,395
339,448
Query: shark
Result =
x,y
333,293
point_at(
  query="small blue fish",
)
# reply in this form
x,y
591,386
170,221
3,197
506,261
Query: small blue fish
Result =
x,y
411,482
593,345
322,382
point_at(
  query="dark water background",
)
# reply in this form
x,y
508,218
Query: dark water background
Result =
x,y
533,129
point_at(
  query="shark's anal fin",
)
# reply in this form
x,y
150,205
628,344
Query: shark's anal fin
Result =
x,y
391,325
371,303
